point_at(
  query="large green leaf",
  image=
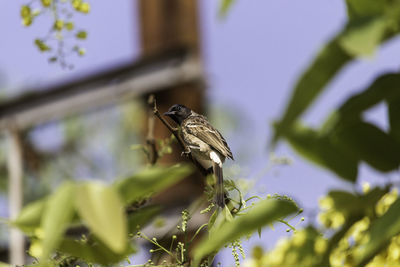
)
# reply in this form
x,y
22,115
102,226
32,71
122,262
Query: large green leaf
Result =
x,y
353,204
321,150
394,117
30,216
56,217
150,180
363,8
103,211
93,252
370,144
384,87
362,36
265,212
380,232
324,67
139,218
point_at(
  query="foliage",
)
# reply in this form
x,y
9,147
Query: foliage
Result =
x,y
345,140
108,230
62,27
359,229
98,207
364,233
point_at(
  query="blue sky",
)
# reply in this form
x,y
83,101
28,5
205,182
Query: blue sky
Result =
x,y
253,58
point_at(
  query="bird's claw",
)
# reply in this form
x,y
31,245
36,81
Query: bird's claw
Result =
x,y
185,153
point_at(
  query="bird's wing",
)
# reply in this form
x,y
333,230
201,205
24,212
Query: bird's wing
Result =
x,y
200,127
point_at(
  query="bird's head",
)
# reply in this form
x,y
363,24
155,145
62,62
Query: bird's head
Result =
x,y
178,113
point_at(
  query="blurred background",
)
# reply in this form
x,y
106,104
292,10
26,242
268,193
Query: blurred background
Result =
x,y
80,105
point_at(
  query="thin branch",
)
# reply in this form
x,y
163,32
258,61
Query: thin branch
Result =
x,y
175,131
150,141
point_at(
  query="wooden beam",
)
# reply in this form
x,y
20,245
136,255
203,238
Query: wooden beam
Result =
x,y
152,73
15,194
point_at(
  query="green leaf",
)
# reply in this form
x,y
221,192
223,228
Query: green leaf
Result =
x,y
224,7
150,180
353,204
81,35
263,213
324,67
362,8
362,36
95,252
394,118
380,232
322,150
138,219
384,87
103,211
56,217
370,144
30,216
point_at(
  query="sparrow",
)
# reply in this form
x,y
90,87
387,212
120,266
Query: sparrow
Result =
x,y
206,144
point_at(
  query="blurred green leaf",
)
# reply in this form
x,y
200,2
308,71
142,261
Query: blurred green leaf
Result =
x,y
103,211
324,67
352,204
2,264
263,213
141,217
58,213
384,87
30,216
150,180
370,144
362,8
323,151
394,118
94,253
362,36
224,7
380,232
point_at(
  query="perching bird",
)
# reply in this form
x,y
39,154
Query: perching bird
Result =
x,y
206,144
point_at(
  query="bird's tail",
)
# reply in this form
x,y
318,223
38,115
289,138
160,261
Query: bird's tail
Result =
x,y
220,195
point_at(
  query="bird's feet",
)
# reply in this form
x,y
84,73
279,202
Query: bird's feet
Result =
x,y
186,152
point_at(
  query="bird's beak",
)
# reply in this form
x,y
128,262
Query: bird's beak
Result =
x,y
169,113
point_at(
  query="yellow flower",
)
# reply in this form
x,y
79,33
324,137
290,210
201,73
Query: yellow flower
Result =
x,y
386,201
320,245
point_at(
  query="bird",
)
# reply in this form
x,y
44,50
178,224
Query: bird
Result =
x,y
205,143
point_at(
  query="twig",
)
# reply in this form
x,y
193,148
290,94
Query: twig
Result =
x,y
175,131
150,141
